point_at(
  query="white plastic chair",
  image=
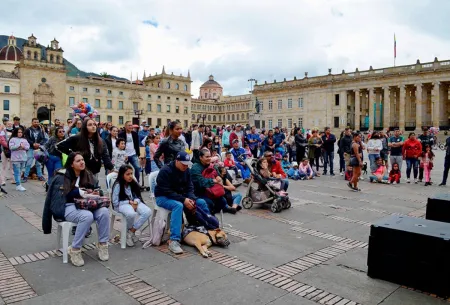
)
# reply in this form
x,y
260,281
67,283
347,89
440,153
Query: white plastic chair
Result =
x,y
64,228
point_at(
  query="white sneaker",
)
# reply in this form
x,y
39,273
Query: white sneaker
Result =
x,y
415,181
134,237
361,178
408,180
75,257
20,188
342,174
395,182
103,253
130,242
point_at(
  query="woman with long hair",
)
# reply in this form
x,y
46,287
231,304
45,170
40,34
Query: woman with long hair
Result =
x,y
91,146
127,199
356,161
314,143
412,150
54,161
79,182
170,146
111,140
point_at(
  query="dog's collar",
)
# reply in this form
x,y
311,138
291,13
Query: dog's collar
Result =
x,y
210,238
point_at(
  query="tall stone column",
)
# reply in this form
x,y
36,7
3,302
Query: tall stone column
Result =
x,y
402,105
357,110
435,103
419,107
386,108
371,103
343,115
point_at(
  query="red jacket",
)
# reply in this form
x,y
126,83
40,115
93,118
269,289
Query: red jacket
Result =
x,y
412,149
229,163
276,168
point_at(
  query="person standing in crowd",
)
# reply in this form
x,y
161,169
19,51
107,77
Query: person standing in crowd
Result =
x,y
290,143
57,123
278,137
36,137
345,145
314,143
76,127
253,141
328,149
396,144
143,134
197,140
153,147
341,155
169,147
54,160
446,163
239,135
426,162
269,142
132,147
384,153
262,136
107,131
412,149
425,139
18,146
356,161
110,141
69,123
300,146
374,147
16,123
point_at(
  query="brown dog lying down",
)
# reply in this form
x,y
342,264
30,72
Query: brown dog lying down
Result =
x,y
202,239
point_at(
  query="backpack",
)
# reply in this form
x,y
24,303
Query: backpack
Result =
x,y
215,191
158,229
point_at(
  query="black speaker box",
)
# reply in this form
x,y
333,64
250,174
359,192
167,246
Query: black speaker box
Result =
x,y
411,251
438,207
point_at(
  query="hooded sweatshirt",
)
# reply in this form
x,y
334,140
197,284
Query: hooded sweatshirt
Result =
x,y
412,149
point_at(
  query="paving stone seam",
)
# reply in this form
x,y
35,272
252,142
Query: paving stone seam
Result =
x,y
340,218
13,287
266,214
29,216
281,281
329,237
141,291
237,233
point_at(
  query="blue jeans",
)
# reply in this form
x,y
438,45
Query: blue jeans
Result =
x,y
237,197
155,167
373,164
134,161
213,206
286,184
375,178
30,155
18,168
328,157
142,210
245,171
412,162
84,219
53,163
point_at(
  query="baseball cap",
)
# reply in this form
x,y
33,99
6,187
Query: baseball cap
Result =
x,y
235,141
184,158
238,125
228,126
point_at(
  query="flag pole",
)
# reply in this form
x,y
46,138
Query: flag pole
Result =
x,y
395,49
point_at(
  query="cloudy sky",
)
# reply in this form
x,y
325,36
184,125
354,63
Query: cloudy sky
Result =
x,y
235,39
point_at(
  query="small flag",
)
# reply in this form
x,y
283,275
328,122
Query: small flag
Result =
x,y
395,47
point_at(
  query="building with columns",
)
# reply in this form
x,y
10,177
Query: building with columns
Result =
x,y
212,108
408,97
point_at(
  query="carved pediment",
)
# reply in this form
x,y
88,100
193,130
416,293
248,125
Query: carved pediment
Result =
x,y
135,95
43,94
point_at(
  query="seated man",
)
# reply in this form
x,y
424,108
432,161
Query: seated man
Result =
x,y
275,168
174,191
237,151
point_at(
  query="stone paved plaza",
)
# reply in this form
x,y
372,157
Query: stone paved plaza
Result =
x,y
313,253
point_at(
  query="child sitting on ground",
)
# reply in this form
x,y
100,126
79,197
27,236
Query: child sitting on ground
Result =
x,y
230,164
395,174
285,164
119,156
305,169
276,183
349,173
379,175
293,172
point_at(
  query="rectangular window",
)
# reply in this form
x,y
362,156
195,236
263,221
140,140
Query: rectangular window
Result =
x,y
280,104
185,123
149,107
270,105
289,123
109,104
177,99
97,90
120,104
289,103
261,106
135,106
270,123
85,89
336,100
336,122
7,89
168,97
97,118
120,120
177,109
71,101
185,110
121,93
158,108
71,88
300,102
149,120
109,92
167,108
97,103
149,96
300,123
280,123
109,118
158,122
5,104
159,97
85,100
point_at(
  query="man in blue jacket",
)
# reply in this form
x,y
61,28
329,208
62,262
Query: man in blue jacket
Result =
x,y
278,136
328,150
253,141
174,191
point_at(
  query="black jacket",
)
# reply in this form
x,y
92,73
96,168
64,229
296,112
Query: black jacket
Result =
x,y
55,202
108,143
135,136
345,144
93,163
32,140
169,148
300,142
174,184
328,144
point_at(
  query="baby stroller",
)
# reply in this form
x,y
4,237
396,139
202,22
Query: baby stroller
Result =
x,y
259,192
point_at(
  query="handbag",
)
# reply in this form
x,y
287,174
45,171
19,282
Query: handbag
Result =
x,y
92,203
215,191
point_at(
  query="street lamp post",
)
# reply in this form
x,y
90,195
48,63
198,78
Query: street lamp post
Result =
x,y
52,108
139,113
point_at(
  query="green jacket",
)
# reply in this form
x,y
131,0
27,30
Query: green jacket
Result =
x,y
200,182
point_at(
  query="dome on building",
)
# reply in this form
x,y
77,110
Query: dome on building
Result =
x,y
10,51
211,83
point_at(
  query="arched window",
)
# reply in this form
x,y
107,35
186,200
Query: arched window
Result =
x,y
51,58
28,54
167,85
159,85
185,87
209,117
177,86
228,117
58,59
214,118
242,116
232,117
193,116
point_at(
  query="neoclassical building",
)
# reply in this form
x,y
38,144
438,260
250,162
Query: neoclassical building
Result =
x,y
408,97
34,83
215,109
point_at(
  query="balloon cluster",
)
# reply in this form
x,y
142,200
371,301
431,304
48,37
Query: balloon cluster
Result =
x,y
83,110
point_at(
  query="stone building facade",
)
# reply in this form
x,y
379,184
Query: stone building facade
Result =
x,y
37,86
408,97
213,108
